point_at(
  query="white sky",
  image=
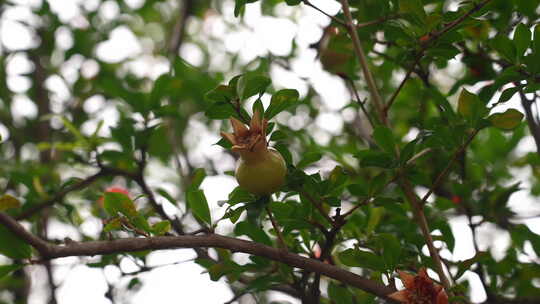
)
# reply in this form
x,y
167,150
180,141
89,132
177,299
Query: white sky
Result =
x,y
184,282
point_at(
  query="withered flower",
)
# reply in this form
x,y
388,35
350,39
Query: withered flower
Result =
x,y
419,289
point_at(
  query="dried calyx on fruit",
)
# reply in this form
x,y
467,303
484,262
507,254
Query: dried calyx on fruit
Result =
x,y
260,170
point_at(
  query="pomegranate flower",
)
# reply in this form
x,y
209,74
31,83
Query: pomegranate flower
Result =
x,y
419,289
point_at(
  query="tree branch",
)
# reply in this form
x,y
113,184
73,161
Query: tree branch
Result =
x,y
351,28
377,21
49,251
445,171
418,212
431,37
179,30
434,35
534,127
334,18
60,195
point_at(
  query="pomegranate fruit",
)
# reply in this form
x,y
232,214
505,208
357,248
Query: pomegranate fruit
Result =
x,y
260,170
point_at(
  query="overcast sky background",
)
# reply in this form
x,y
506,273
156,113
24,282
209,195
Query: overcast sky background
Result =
x,y
185,282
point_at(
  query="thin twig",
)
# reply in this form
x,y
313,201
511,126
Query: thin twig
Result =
x,y
60,195
434,35
334,18
179,29
281,240
402,84
377,21
431,37
318,206
359,101
445,171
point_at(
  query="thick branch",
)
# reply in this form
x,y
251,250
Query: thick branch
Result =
x,y
49,251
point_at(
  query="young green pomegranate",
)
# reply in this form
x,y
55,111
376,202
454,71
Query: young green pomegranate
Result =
x,y
261,170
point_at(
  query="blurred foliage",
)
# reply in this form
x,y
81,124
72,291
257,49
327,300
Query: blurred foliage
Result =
x,y
143,121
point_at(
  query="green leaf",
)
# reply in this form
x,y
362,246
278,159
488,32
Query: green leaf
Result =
x,y
140,222
508,120
234,214
221,93
363,259
119,203
309,158
385,139
160,228
536,40
251,84
72,129
253,232
114,224
522,39
280,101
197,178
258,106
239,7
470,106
407,152
391,249
239,195
7,269
372,158
283,149
340,294
358,190
156,146
293,2
466,264
504,46
160,89
224,143
375,217
221,110
415,7
8,202
278,135
196,200
507,94
12,246
166,195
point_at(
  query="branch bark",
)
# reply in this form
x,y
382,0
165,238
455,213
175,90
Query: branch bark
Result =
x,y
373,90
532,122
50,251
